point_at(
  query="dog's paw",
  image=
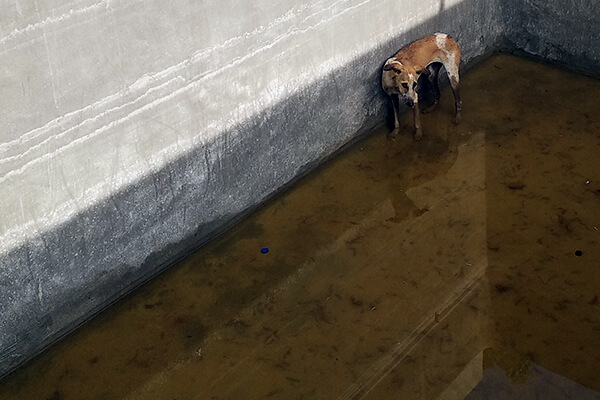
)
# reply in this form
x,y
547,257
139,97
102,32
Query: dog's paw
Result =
x,y
457,118
392,135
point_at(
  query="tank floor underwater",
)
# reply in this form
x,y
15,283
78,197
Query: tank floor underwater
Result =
x,y
464,266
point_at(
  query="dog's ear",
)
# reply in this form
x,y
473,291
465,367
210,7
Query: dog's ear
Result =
x,y
392,64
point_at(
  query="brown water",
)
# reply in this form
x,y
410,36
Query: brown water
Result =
x,y
444,269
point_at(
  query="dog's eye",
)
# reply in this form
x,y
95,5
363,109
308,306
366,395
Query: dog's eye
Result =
x,y
405,85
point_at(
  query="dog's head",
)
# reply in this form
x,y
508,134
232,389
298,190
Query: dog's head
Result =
x,y
402,79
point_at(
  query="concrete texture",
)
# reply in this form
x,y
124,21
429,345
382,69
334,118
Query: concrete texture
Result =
x,y
134,132
561,32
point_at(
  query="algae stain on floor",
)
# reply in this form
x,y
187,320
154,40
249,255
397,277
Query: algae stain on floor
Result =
x,y
460,267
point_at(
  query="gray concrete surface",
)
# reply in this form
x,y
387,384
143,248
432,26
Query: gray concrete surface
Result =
x,y
132,132
561,32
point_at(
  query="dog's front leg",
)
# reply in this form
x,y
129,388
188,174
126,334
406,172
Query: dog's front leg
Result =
x,y
417,119
396,107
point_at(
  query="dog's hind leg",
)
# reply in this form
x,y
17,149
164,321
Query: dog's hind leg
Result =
x,y
453,76
454,83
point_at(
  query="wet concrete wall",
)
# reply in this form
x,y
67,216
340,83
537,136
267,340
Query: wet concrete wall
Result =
x,y
562,32
132,132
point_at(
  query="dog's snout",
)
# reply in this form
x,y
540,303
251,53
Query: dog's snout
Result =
x,y
410,103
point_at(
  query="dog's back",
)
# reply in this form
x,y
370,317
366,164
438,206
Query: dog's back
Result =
x,y
439,47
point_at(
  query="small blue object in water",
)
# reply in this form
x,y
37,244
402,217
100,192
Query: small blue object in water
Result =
x,y
264,250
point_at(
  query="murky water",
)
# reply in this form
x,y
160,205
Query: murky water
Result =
x,y
461,267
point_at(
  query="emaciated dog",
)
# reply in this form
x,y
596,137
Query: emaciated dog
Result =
x,y
425,56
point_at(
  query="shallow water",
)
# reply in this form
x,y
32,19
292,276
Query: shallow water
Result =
x,y
464,266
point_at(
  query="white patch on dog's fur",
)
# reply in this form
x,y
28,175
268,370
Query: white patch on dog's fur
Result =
x,y
452,64
440,40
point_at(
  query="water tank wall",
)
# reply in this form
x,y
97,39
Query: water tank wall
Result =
x,y
132,132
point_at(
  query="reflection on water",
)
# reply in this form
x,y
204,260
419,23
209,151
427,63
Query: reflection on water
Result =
x,y
539,384
461,267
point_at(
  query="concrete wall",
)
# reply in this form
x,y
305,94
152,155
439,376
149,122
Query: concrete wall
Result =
x,y
563,32
132,132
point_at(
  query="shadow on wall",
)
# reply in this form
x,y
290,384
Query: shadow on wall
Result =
x,y
564,33
81,262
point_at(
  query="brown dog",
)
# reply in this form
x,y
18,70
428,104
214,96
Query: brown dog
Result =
x,y
425,56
